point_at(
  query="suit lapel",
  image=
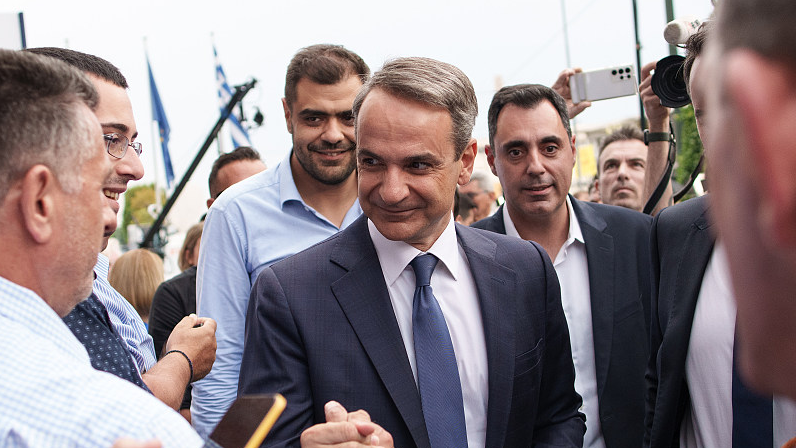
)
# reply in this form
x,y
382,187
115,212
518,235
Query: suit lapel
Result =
x,y
696,250
363,297
496,289
600,256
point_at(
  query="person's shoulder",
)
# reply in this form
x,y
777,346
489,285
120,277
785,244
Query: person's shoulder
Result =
x,y
493,222
500,244
614,214
684,213
263,186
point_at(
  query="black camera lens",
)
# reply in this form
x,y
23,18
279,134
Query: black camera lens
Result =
x,y
668,82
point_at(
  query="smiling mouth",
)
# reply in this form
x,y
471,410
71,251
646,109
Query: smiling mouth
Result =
x,y
111,194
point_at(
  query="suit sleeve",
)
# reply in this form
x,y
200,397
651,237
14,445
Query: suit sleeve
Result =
x,y
274,360
655,335
558,422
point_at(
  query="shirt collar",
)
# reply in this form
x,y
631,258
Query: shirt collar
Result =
x,y
102,267
573,234
287,185
394,256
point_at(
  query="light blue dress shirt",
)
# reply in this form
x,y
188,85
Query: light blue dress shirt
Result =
x,y
253,224
52,397
124,318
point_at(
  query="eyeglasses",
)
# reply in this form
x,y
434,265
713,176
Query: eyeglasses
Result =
x,y
116,145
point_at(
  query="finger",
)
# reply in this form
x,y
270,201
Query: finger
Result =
x,y
335,412
205,322
187,321
359,416
647,69
365,429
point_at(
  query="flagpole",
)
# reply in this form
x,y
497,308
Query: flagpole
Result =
x,y
155,131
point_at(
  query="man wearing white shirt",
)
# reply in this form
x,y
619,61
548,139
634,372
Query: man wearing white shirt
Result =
x,y
600,253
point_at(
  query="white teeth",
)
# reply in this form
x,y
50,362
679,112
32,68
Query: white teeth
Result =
x,y
111,194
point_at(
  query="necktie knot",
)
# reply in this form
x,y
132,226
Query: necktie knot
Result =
x,y
423,266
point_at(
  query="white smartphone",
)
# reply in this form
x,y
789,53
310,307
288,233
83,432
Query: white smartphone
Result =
x,y
603,84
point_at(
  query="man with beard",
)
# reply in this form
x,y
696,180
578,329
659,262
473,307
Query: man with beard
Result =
x,y
309,196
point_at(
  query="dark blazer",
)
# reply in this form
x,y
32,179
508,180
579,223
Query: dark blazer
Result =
x,y
617,252
320,326
681,248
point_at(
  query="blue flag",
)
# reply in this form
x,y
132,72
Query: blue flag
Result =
x,y
159,115
238,133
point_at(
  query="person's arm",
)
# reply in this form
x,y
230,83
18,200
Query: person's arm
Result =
x,y
195,338
656,337
657,152
561,86
222,293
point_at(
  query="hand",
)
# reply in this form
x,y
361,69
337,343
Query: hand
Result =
x,y
130,443
656,113
561,86
196,337
345,428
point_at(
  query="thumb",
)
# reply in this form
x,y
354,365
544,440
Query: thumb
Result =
x,y
335,412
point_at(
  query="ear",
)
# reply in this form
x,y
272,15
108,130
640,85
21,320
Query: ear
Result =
x,y
210,202
468,160
288,121
38,202
574,150
764,97
490,158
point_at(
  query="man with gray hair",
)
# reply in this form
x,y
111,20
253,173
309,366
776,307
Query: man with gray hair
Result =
x,y
751,157
424,325
482,191
621,167
53,165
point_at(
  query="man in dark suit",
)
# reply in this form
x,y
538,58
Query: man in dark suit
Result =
x,y
345,320
600,253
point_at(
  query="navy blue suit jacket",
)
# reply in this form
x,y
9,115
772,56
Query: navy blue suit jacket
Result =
x,y
682,244
320,327
618,257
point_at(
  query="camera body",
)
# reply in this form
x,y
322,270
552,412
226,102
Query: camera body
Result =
x,y
603,84
668,82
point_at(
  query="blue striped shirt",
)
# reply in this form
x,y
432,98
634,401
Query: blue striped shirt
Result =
x,y
124,318
52,397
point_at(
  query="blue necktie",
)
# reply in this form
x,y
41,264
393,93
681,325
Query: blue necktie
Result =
x,y
752,414
437,374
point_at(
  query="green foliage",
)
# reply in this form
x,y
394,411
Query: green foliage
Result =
x,y
136,201
689,146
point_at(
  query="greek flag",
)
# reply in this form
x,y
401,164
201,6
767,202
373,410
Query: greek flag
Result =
x,y
238,133
159,115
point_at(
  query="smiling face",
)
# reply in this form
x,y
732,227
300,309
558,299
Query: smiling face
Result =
x,y
533,157
622,168
408,171
322,124
115,114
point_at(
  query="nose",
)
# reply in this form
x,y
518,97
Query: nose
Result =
x,y
535,165
333,132
129,166
393,188
621,172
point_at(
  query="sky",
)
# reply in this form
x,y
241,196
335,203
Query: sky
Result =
x,y
496,42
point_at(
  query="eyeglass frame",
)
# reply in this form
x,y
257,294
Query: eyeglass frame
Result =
x,y
137,146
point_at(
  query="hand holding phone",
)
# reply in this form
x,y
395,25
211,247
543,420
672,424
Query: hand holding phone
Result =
x,y
603,84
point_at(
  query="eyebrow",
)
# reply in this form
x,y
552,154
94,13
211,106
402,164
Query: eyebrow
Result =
x,y
310,112
121,127
552,139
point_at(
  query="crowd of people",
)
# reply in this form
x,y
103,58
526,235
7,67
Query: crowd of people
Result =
x,y
372,279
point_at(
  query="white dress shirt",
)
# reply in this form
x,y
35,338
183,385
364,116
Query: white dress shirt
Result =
x,y
708,367
572,269
454,288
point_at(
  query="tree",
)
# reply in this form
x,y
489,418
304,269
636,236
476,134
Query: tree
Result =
x,y
137,201
689,145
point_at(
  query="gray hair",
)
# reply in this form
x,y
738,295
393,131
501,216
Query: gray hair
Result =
x,y
41,119
429,82
483,181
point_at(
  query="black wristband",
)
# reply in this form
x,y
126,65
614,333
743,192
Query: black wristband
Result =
x,y
657,137
190,364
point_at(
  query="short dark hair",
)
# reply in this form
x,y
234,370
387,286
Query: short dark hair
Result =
x,y
323,64
626,132
765,27
88,63
240,153
41,118
527,96
432,83
693,48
